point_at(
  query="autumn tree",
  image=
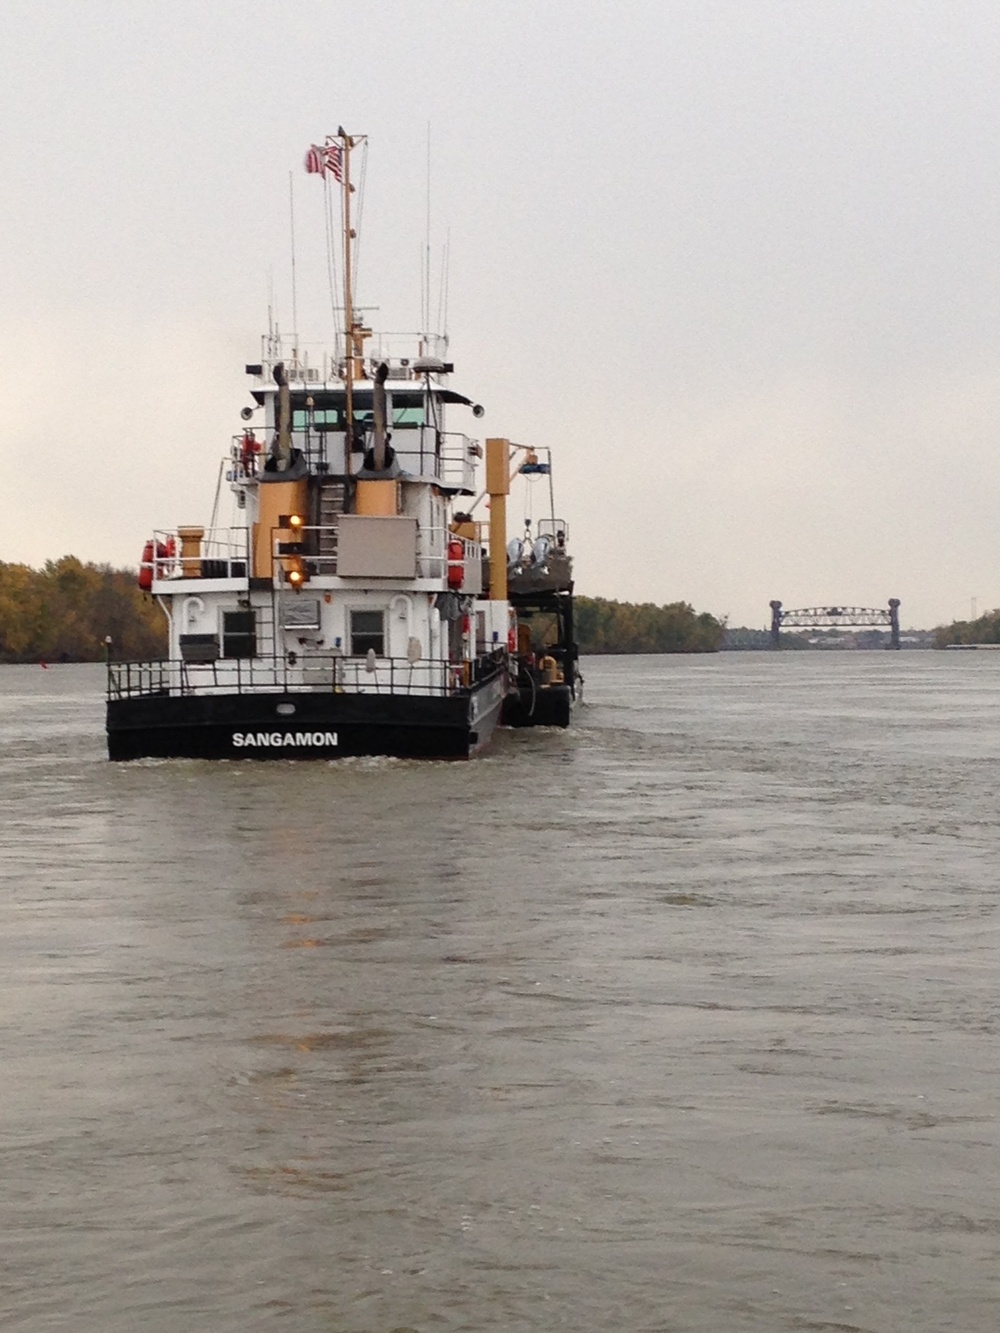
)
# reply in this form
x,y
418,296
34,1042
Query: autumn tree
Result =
x,y
65,611
604,626
985,629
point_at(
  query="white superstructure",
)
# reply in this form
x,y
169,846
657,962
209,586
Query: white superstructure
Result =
x,y
343,573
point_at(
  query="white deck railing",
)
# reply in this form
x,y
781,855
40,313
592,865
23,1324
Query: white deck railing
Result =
x,y
319,673
225,554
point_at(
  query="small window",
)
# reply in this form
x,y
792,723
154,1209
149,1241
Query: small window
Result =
x,y
367,633
239,634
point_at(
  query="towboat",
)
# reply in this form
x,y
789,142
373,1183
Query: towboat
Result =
x,y
546,678
354,604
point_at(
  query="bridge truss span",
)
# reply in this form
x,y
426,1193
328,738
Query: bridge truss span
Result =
x,y
830,617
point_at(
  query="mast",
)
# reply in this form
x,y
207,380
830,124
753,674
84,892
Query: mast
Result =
x,y
347,143
335,157
354,329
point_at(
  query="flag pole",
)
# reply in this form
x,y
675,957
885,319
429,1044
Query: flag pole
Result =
x,y
347,143
295,303
335,157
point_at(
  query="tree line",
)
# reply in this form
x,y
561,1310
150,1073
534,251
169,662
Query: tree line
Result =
x,y
984,629
64,611
604,626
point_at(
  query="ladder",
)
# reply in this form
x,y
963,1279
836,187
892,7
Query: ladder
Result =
x,y
332,498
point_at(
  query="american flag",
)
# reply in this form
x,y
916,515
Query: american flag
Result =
x,y
333,156
315,161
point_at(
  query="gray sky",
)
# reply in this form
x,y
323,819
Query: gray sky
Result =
x,y
736,263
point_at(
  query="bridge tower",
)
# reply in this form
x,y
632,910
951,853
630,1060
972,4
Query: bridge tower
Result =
x,y
775,624
893,622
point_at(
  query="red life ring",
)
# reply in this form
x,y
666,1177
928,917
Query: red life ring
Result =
x,y
512,640
456,563
145,579
165,553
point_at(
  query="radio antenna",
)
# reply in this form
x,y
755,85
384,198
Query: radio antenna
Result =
x,y
443,293
427,244
295,304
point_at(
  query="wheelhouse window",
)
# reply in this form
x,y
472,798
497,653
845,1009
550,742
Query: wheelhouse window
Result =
x,y
239,634
367,630
319,419
329,413
407,412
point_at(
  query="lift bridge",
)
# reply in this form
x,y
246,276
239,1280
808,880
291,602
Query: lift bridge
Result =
x,y
829,617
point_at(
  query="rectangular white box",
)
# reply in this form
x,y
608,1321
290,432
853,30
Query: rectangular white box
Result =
x,y
376,547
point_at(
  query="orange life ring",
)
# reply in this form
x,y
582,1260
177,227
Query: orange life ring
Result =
x,y
145,579
456,563
155,556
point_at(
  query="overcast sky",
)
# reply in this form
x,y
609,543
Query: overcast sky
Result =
x,y
735,261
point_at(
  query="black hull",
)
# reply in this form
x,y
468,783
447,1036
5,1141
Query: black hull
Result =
x,y
550,706
534,703
320,726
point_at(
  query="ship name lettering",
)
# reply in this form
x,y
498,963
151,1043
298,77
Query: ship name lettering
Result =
x,y
245,739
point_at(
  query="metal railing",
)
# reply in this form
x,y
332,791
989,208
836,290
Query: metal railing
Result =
x,y
223,553
553,527
432,558
313,547
308,674
312,362
458,455
421,451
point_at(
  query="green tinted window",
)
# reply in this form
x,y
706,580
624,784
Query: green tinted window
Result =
x,y
320,416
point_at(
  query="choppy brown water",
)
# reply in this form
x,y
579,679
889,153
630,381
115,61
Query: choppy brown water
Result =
x,y
684,1020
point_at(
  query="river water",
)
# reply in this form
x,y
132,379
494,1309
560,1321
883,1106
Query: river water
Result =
x,y
685,1019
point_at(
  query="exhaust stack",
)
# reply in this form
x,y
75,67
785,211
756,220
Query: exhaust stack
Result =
x,y
283,451
379,437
